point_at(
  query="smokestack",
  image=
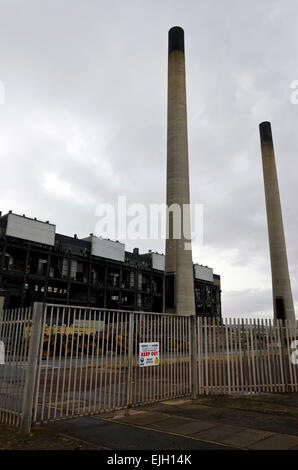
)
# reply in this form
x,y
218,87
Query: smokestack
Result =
x,y
281,286
179,281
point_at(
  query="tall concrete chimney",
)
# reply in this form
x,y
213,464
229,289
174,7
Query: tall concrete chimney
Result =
x,y
179,280
281,286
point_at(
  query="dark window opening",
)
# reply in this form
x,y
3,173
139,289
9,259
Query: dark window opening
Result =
x,y
280,308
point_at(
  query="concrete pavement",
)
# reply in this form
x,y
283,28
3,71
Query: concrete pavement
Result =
x,y
268,422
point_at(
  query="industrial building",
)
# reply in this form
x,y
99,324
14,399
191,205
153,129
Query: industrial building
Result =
x,y
38,264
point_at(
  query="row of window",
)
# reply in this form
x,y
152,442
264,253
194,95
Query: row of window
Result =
x,y
79,272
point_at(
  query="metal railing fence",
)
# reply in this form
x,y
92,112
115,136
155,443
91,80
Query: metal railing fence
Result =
x,y
14,325
245,356
65,361
89,361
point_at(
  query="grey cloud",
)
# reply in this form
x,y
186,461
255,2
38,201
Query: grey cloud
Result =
x,y
97,71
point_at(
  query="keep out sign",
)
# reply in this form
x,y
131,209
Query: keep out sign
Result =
x,y
149,354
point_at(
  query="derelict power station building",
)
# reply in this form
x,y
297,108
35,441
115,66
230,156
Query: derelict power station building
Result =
x,y
38,264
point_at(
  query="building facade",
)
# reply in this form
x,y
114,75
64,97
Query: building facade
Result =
x,y
38,264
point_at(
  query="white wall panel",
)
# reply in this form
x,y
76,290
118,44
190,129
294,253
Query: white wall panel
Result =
x,y
107,248
203,272
31,230
158,261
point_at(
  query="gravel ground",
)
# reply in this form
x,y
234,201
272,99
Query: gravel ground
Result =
x,y
40,438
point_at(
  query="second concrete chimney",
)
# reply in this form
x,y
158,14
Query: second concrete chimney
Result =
x,y
281,286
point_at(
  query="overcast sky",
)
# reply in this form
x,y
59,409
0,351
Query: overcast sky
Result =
x,y
84,121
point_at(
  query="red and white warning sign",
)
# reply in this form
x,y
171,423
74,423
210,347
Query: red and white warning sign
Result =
x,y
149,354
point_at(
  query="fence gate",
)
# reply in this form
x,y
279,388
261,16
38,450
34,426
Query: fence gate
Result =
x,y
89,361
